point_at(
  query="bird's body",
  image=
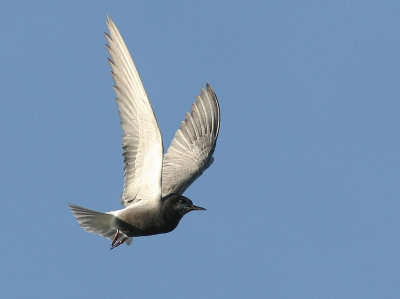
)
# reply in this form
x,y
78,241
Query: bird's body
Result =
x,y
153,182
159,218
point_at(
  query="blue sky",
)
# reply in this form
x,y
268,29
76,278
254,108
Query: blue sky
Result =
x,y
303,198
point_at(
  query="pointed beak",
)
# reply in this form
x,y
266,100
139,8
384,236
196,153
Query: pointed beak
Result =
x,y
197,208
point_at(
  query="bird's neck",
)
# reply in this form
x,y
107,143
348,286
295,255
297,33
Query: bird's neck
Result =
x,y
170,216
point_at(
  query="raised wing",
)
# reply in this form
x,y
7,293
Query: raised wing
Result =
x,y
141,139
191,150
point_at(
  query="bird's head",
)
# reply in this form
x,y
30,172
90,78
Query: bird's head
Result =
x,y
183,205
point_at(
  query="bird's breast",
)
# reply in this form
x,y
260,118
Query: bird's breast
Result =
x,y
148,221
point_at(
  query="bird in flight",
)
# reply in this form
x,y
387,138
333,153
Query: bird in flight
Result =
x,y
153,182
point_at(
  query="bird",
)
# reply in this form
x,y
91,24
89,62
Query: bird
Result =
x,y
154,182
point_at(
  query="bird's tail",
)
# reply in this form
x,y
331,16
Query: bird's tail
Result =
x,y
99,223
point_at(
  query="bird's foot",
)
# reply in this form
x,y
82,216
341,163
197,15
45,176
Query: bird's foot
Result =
x,y
115,238
114,242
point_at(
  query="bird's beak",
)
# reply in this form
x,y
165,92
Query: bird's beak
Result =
x,y
197,208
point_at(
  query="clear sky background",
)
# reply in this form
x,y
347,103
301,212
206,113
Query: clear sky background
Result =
x,y
303,198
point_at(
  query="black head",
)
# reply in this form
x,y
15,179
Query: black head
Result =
x,y
184,205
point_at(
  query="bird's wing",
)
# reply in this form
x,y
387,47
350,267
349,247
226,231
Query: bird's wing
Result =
x,y
191,150
141,139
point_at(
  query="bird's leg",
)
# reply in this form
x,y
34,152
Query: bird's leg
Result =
x,y
115,239
114,242
118,243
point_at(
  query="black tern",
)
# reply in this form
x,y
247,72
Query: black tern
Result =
x,y
153,182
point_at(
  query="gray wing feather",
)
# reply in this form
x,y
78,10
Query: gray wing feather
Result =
x,y
191,150
141,138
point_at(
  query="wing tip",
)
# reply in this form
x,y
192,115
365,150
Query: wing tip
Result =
x,y
109,21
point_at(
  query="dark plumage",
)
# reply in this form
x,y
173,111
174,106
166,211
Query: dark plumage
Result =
x,y
153,182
